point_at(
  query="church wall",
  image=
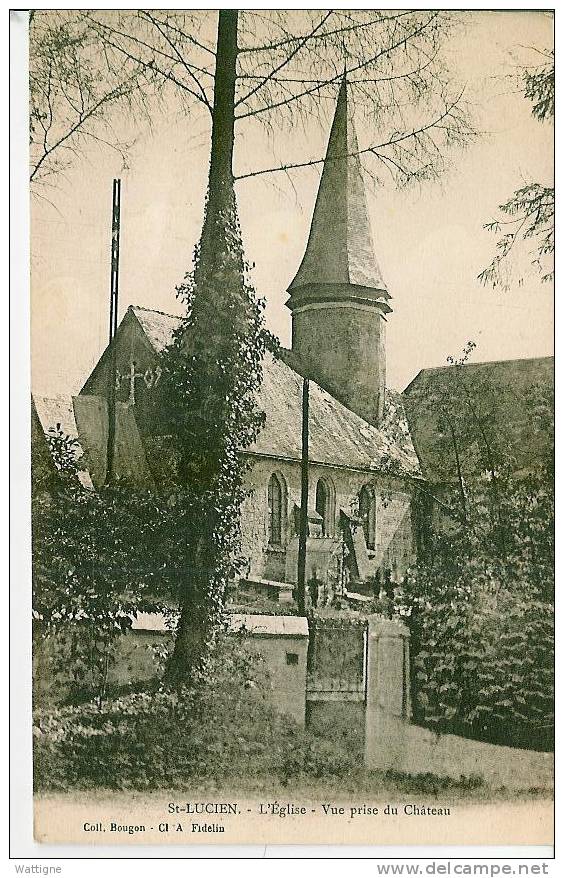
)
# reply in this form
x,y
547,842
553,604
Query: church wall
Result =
x,y
394,545
344,348
138,375
137,365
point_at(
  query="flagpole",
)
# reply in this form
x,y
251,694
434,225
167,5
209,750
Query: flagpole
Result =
x,y
114,288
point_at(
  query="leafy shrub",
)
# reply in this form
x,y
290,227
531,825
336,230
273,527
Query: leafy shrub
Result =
x,y
221,727
429,783
482,650
480,600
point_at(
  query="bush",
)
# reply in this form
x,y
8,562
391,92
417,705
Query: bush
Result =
x,y
432,784
482,653
220,728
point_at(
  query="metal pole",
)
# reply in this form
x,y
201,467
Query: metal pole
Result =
x,y
114,285
114,272
115,248
302,545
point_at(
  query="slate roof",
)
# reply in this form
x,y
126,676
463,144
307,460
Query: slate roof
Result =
x,y
157,326
340,248
53,410
504,392
338,437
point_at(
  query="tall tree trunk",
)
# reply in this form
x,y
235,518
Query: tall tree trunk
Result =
x,y
191,630
209,323
190,640
220,180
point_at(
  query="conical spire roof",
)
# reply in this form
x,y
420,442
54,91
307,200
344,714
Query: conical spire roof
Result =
x,y
340,249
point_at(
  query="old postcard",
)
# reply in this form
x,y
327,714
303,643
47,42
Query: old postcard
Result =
x,y
292,423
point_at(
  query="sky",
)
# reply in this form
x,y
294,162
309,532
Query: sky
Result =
x,y
429,241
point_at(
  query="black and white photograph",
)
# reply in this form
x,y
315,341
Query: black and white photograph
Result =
x,y
292,426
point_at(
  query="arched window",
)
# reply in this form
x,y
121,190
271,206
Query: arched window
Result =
x,y
321,504
276,509
324,506
367,513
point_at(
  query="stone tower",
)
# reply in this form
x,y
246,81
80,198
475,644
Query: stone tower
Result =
x,y
338,299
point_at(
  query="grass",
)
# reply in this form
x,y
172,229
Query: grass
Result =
x,y
426,788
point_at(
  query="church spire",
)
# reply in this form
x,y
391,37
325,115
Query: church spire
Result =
x,y
338,298
340,249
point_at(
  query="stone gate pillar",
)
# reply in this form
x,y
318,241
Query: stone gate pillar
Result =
x,y
388,707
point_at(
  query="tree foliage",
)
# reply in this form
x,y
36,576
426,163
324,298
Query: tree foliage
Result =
x,y
539,87
482,623
75,87
212,370
528,216
483,648
480,600
99,558
64,450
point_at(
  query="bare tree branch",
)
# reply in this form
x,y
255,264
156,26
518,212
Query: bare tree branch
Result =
x,y
190,37
336,78
269,47
150,64
186,66
369,149
283,63
396,66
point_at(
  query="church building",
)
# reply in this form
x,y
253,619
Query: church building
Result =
x,y
363,468
362,465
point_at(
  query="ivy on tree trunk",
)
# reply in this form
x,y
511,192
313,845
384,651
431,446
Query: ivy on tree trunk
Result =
x,y
214,370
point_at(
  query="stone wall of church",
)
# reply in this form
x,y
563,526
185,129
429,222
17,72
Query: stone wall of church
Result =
x,y
138,376
345,351
394,544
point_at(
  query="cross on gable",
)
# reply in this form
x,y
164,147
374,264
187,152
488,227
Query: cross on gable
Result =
x,y
150,377
132,376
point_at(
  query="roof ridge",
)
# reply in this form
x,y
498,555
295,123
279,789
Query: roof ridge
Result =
x,y
488,362
345,89
155,311
513,360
